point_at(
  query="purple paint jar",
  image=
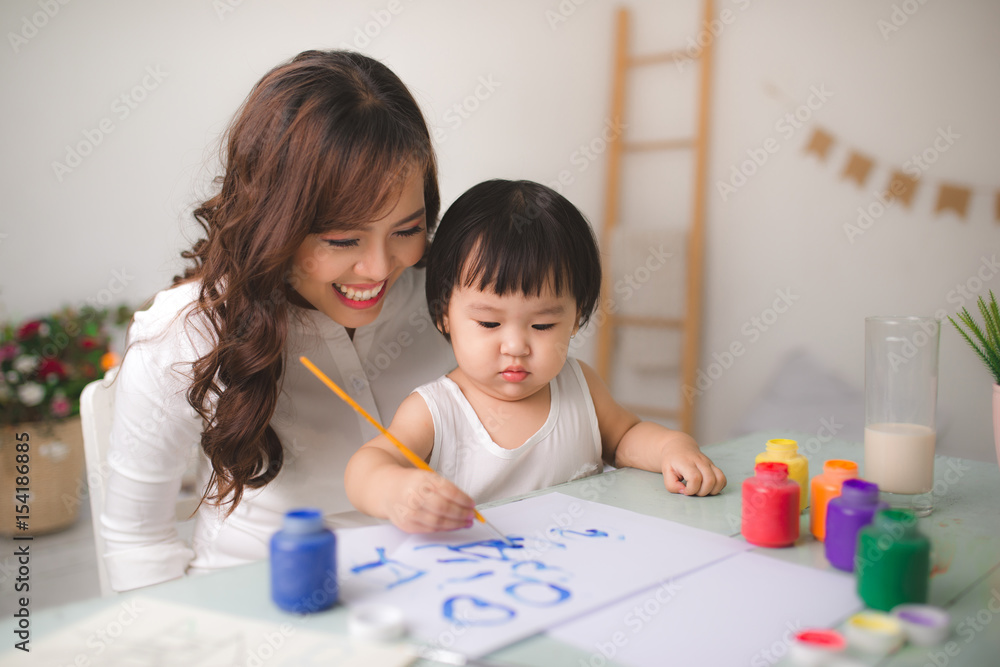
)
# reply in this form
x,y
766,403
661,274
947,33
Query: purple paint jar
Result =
x,y
847,514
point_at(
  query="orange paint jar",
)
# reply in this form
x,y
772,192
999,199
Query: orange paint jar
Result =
x,y
824,488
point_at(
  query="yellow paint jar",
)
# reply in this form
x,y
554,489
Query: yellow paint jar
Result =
x,y
787,452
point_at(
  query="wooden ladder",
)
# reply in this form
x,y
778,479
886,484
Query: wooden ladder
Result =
x,y
690,325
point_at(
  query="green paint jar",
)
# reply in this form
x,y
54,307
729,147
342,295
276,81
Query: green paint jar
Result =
x,y
893,560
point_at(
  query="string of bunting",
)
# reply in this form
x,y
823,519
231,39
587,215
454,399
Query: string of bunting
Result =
x,y
903,182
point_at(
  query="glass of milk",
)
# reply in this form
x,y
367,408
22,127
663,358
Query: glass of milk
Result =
x,y
901,375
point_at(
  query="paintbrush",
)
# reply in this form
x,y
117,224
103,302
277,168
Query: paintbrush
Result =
x,y
407,452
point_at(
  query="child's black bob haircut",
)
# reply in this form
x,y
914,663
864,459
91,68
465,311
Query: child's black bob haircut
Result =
x,y
513,237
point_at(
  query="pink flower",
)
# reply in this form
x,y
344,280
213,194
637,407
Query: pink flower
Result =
x,y
8,351
28,329
60,406
52,366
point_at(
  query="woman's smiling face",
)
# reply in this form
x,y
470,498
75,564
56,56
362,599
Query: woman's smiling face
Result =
x,y
346,274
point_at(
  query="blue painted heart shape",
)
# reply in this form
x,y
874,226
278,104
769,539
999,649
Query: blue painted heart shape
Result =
x,y
470,610
536,570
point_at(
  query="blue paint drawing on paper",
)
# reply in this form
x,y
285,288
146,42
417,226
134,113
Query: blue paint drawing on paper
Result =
x,y
462,580
524,583
471,610
481,548
590,532
537,567
537,593
568,546
532,583
404,573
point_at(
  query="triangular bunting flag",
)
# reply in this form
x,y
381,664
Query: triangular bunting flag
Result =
x,y
819,143
953,197
857,168
901,187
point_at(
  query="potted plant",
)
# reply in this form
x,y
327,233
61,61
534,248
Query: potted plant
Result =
x,y
985,340
44,365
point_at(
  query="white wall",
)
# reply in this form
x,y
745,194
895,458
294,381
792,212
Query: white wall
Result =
x,y
123,211
784,228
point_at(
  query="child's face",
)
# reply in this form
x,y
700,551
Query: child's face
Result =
x,y
347,274
511,346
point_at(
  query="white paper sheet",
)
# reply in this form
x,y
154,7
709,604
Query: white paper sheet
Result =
x,y
739,611
466,591
144,631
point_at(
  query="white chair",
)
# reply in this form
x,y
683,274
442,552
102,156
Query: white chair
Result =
x,y
97,403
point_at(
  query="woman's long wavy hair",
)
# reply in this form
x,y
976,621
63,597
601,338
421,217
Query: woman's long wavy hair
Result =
x,y
322,142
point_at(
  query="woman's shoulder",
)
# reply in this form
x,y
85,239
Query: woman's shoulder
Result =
x,y
173,312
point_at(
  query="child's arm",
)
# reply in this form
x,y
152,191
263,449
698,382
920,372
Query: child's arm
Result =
x,y
629,442
380,481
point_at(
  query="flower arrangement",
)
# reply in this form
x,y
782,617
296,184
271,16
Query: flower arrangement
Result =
x,y
987,336
46,363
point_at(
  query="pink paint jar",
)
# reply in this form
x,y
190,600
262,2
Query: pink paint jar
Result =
x,y
770,506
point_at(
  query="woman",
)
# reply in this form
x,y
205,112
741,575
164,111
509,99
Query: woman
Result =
x,y
311,248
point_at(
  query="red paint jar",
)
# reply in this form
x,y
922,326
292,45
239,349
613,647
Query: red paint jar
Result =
x,y
770,506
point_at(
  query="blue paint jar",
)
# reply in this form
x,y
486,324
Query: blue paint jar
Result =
x,y
304,563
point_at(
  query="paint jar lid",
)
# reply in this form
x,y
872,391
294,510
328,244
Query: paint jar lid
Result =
x,y
772,470
924,624
782,445
814,646
874,632
376,622
302,521
840,467
859,492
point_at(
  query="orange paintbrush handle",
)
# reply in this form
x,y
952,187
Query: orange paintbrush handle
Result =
x,y
407,452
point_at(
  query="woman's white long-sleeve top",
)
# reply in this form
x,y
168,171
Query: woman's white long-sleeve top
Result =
x,y
155,429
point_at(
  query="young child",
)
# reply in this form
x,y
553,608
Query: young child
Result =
x,y
513,273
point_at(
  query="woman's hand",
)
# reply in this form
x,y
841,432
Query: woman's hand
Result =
x,y
424,502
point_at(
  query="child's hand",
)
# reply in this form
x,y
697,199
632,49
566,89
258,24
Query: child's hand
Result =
x,y
684,460
425,502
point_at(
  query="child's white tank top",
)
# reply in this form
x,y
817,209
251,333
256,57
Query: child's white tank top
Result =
x,y
566,447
